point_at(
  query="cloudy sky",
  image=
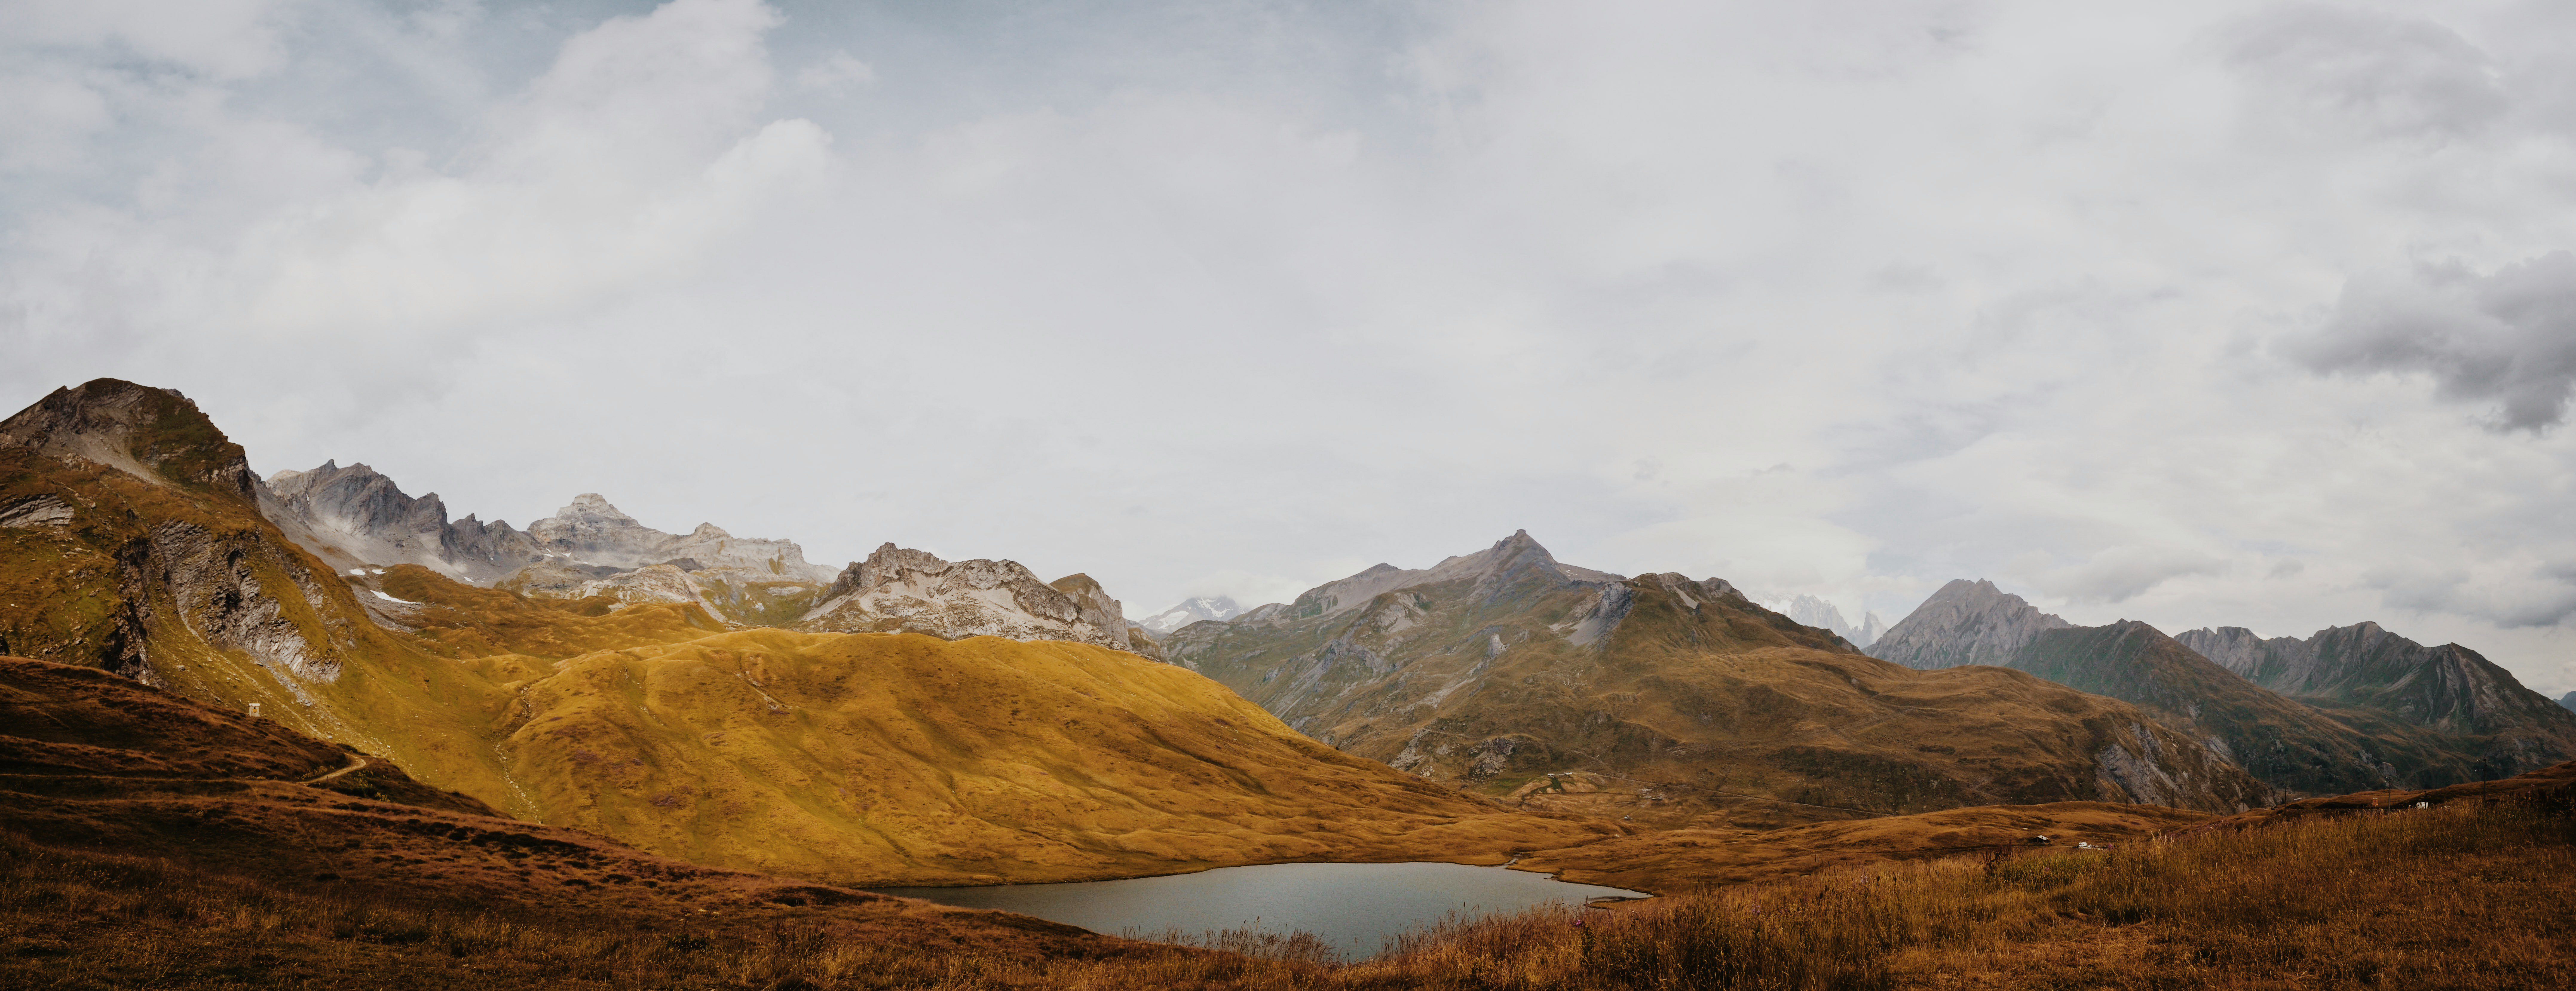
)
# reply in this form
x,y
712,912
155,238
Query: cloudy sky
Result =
x,y
2196,313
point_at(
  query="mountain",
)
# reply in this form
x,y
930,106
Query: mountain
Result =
x,y
1811,611
1964,622
2291,746
1871,628
355,516
908,590
1191,610
2568,701
2303,743
2367,675
1673,700
865,757
590,531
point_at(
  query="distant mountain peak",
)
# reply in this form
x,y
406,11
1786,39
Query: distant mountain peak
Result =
x,y
1196,609
592,504
1965,622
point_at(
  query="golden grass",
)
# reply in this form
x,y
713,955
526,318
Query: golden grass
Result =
x,y
2467,897
906,759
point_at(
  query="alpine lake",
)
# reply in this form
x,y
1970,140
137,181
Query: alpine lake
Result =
x,y
1355,909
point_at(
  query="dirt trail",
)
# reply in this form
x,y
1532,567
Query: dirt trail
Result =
x,y
355,762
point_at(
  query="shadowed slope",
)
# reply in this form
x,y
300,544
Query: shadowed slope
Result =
x,y
2370,677
2288,745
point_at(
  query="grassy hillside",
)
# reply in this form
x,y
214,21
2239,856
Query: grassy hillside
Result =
x,y
903,758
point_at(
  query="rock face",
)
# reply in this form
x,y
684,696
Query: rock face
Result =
x,y
899,589
1686,701
1966,622
2370,676
1192,610
355,516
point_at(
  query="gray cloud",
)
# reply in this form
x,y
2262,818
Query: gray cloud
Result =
x,y
2384,76
2507,337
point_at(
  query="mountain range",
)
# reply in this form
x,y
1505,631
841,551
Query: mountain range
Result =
x,y
1669,700
139,544
2350,709
910,719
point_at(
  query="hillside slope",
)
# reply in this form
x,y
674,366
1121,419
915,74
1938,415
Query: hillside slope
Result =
x,y
1497,668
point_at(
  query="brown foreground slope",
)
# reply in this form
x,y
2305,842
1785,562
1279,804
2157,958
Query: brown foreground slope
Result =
x,y
122,882
142,854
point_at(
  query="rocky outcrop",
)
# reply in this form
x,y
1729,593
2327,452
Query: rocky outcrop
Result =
x,y
1196,609
35,511
1966,622
590,531
900,589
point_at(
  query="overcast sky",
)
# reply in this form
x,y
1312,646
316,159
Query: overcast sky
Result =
x,y
2195,313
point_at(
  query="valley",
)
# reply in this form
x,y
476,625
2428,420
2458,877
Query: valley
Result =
x,y
592,747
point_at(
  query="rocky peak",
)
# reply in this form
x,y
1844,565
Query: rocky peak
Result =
x,y
354,515
1196,609
1966,622
907,590
1513,564
156,435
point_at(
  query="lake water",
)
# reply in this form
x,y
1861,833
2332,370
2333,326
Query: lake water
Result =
x,y
1355,908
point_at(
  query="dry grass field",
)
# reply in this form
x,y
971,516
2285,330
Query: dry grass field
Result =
x,y
2467,896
